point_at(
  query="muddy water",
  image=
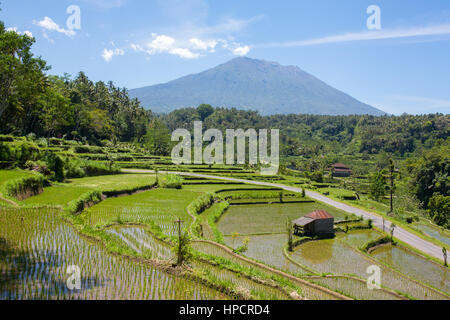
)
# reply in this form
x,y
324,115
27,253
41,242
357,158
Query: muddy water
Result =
x,y
333,256
416,266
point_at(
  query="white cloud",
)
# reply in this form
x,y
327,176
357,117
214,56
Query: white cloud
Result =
x,y
108,54
26,32
190,49
160,44
184,53
241,51
203,45
137,47
166,44
50,25
442,29
191,37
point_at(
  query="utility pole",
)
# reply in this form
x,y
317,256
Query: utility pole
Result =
x,y
391,170
180,255
444,252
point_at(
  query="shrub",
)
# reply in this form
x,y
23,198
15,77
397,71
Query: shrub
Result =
x,y
366,247
73,169
78,168
20,188
4,138
56,165
439,209
93,168
55,141
171,181
201,203
214,216
87,199
87,149
6,152
42,143
31,136
25,151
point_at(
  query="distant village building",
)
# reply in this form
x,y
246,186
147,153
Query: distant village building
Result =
x,y
317,222
340,170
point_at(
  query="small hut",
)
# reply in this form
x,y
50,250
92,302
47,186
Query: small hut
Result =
x,y
340,170
317,222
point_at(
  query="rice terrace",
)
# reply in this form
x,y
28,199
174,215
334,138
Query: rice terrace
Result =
x,y
287,189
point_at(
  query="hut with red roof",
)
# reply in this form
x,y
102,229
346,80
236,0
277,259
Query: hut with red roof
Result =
x,y
318,222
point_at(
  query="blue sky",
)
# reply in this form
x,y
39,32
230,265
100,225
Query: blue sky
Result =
x,y
403,67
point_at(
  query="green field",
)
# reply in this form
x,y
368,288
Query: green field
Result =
x,y
257,219
262,222
7,175
159,206
61,194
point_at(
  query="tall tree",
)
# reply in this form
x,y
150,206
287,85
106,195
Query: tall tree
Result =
x,y
22,80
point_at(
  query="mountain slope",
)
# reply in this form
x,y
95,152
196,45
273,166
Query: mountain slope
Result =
x,y
260,85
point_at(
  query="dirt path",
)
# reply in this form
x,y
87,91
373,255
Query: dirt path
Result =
x,y
8,201
400,233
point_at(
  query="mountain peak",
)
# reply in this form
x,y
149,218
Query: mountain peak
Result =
x,y
261,85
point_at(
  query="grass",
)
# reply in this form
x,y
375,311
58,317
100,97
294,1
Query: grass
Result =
x,y
62,194
8,175
59,195
110,182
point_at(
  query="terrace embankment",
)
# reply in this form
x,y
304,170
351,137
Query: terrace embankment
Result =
x,y
275,271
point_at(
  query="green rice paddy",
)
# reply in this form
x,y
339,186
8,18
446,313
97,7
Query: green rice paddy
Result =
x,y
36,246
268,218
159,206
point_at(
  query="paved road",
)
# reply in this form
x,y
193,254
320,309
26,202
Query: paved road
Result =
x,y
399,233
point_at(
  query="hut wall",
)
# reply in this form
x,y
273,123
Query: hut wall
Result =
x,y
322,226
